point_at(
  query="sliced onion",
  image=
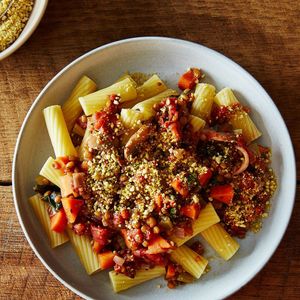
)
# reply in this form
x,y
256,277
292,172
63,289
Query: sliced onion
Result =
x,y
119,260
245,163
179,232
217,136
92,142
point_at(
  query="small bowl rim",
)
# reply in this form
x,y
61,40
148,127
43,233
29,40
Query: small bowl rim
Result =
x,y
292,160
30,28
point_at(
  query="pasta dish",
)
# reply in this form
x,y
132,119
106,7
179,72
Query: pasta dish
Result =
x,y
141,169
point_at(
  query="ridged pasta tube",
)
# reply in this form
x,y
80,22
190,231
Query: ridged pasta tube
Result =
x,y
72,108
196,122
122,282
240,119
207,218
132,118
83,248
204,98
40,210
221,241
226,97
96,101
53,175
125,76
146,106
191,261
151,87
58,131
83,145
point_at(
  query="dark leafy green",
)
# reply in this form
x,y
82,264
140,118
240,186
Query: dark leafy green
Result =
x,y
42,189
51,201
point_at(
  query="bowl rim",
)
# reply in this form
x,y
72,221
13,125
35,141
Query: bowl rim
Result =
x,y
289,147
25,35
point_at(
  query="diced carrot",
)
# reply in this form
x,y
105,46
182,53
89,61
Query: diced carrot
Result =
x,y
58,221
170,271
130,244
222,193
106,260
66,185
191,210
158,200
125,214
180,187
158,245
205,177
72,207
63,159
189,79
97,247
175,129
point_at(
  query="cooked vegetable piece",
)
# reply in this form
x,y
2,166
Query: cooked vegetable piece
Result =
x,y
191,210
205,177
58,221
222,193
72,207
106,260
180,187
158,245
189,79
171,272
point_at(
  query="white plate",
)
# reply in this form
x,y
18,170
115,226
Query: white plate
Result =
x,y
168,57
36,15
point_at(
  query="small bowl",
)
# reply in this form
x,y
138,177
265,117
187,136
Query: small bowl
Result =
x,y
36,15
169,58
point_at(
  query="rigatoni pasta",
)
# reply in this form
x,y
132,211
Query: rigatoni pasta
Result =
x,y
146,106
52,174
58,131
72,108
122,282
207,218
41,210
204,98
221,241
151,87
239,118
191,261
82,246
97,100
196,123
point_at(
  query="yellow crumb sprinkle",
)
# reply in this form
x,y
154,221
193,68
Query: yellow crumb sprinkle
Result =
x,y
13,21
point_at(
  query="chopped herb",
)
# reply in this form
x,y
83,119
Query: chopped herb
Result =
x,y
191,179
173,211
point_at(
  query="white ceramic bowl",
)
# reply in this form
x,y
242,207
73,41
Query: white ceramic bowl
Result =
x,y
33,21
168,57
